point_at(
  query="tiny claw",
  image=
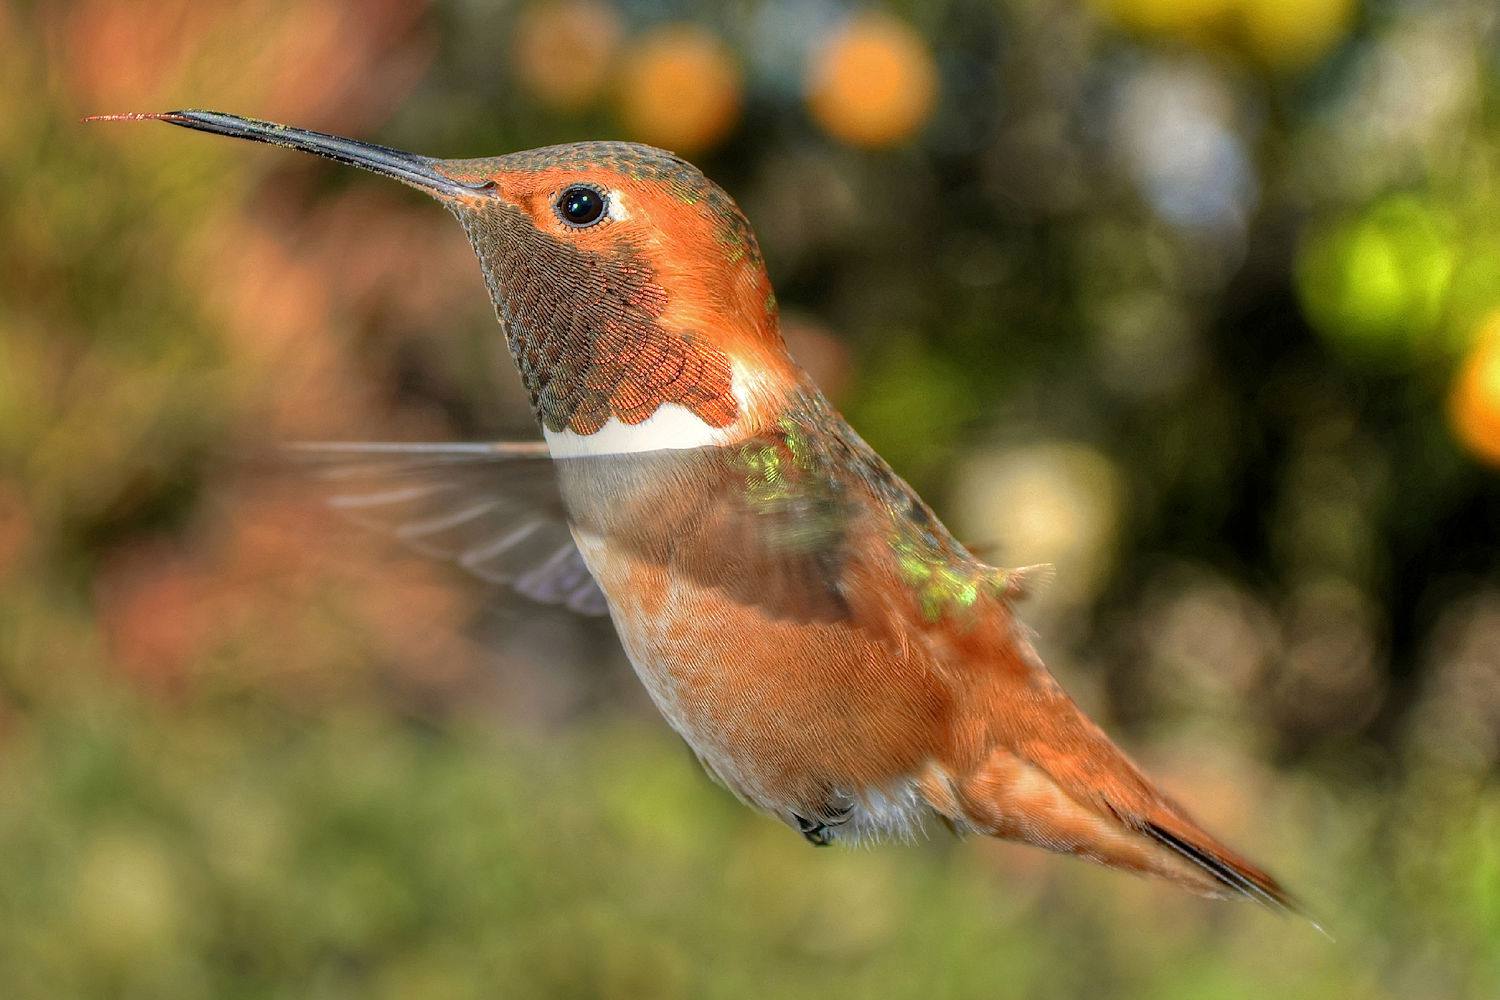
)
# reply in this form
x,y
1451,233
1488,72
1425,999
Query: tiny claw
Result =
x,y
816,834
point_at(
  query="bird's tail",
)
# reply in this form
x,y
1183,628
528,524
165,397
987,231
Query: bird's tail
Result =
x,y
1055,780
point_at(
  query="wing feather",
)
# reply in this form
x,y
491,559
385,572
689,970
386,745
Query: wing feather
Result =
x,y
493,508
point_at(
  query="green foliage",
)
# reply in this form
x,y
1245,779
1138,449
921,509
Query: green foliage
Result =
x,y
228,849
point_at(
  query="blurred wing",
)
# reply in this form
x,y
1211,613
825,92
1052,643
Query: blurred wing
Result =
x,y
772,521
804,521
494,508
764,528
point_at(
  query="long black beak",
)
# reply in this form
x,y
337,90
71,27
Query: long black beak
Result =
x,y
409,168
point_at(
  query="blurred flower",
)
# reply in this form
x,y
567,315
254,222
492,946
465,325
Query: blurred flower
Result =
x,y
1053,502
680,89
565,49
1378,281
1474,401
1294,33
1174,125
873,81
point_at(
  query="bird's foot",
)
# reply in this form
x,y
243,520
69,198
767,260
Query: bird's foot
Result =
x,y
819,832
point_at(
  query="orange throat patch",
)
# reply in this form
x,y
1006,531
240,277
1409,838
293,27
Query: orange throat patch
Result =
x,y
585,330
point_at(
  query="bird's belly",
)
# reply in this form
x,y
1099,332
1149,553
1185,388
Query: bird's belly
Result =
x,y
798,718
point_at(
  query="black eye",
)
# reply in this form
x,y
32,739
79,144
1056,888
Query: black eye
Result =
x,y
581,206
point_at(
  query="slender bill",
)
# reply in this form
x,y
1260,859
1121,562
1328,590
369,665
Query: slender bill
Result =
x,y
409,168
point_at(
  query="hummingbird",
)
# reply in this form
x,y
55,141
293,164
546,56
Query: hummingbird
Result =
x,y
797,613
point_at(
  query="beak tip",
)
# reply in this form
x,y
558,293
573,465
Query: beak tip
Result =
x,y
136,116
420,172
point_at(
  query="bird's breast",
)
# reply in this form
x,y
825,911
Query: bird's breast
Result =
x,y
793,715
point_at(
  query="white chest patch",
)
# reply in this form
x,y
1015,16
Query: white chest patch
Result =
x,y
671,426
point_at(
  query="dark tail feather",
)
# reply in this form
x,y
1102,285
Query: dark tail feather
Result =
x,y
1234,874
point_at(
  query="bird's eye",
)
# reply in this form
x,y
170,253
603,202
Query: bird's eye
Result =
x,y
581,205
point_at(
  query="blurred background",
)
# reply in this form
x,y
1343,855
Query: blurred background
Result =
x,y
1197,299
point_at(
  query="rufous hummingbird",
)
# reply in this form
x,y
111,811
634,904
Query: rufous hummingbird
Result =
x,y
798,614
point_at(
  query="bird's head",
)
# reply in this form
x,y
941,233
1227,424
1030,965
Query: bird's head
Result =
x,y
624,278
